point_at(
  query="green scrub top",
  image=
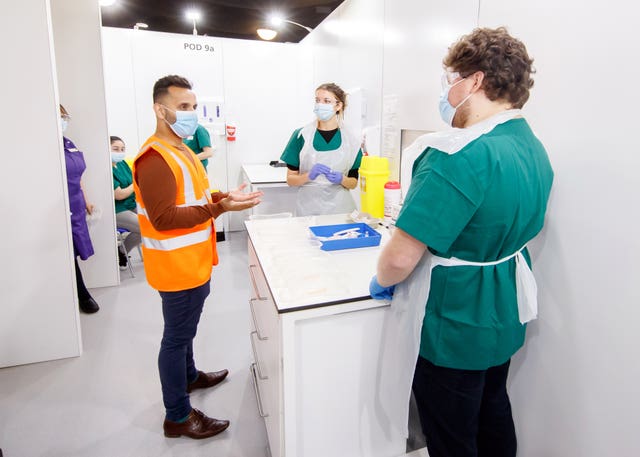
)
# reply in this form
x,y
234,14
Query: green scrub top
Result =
x,y
200,140
291,154
480,204
122,178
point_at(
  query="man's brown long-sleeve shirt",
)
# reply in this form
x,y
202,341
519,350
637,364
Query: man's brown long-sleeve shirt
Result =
x,y
157,187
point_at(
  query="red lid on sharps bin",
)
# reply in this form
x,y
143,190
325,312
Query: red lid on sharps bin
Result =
x,y
392,185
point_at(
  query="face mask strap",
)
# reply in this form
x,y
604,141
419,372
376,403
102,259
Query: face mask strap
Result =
x,y
467,97
463,100
168,109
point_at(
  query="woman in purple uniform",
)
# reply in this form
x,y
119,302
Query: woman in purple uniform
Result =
x,y
79,207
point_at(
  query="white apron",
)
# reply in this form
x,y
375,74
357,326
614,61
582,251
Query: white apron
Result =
x,y
320,196
403,326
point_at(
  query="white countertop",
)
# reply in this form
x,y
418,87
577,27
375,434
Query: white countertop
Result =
x,y
299,274
259,173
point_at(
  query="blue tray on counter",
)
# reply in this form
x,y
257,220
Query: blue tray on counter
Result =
x,y
367,236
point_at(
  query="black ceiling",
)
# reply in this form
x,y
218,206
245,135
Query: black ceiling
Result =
x,y
220,18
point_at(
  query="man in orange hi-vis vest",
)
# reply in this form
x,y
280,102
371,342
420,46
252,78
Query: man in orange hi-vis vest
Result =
x,y
176,212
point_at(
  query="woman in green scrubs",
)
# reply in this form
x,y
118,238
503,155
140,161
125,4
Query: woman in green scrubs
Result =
x,y
126,215
323,157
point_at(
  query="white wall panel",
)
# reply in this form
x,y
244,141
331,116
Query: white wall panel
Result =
x,y
417,36
120,90
39,311
76,27
574,385
262,93
347,49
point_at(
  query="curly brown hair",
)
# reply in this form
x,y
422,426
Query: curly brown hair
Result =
x,y
502,58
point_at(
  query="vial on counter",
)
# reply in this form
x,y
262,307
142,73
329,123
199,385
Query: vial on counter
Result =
x,y
392,195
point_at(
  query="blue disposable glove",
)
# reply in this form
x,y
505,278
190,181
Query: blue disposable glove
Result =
x,y
318,169
378,292
334,177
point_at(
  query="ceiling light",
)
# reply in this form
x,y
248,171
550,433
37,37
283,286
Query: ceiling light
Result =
x,y
107,2
267,34
194,15
140,25
276,19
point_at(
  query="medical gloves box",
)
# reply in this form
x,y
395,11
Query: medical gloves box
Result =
x,y
366,236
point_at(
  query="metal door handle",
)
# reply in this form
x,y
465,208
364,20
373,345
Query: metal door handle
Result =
x,y
255,321
256,389
255,284
255,355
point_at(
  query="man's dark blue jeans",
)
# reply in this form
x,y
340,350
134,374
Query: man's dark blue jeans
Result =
x,y
181,311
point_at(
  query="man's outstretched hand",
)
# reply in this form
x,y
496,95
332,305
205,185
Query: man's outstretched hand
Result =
x,y
237,200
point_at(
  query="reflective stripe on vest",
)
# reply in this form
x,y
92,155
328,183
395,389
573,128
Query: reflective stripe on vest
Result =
x,y
178,242
189,191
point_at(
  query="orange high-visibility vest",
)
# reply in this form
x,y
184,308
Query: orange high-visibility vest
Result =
x,y
177,259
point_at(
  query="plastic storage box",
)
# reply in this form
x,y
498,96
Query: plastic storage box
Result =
x,y
366,236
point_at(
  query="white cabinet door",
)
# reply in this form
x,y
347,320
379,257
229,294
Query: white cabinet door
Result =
x,y
265,343
331,375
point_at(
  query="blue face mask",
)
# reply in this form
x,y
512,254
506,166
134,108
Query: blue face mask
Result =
x,y
117,156
64,124
186,123
324,111
447,110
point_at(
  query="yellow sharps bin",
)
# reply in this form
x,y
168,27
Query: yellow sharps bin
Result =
x,y
374,173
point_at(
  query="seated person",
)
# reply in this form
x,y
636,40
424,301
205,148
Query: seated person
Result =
x,y
126,216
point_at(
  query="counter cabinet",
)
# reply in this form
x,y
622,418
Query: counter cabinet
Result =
x,y
315,371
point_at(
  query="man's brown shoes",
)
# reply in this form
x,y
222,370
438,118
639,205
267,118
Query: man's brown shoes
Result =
x,y
197,426
205,380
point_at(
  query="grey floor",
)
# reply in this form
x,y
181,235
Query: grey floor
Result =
x,y
108,402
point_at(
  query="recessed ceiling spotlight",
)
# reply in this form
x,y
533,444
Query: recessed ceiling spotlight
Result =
x,y
140,25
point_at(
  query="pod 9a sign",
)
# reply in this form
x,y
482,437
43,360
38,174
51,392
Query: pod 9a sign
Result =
x,y
197,47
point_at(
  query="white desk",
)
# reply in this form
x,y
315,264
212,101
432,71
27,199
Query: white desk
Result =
x,y
272,181
316,339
